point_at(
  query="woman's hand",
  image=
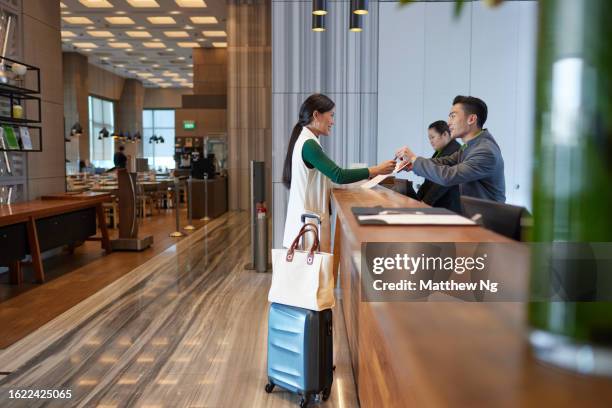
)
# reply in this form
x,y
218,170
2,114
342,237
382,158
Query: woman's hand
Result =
x,y
385,167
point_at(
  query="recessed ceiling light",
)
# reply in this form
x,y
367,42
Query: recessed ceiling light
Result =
x,y
188,27
104,58
143,58
120,65
155,65
87,50
85,45
181,58
120,45
96,3
100,34
144,74
68,34
128,50
161,20
143,3
170,49
191,3
138,34
62,5
154,44
204,20
77,20
156,79
119,20
190,65
214,33
220,44
170,74
189,44
65,13
176,34
156,40
190,74
112,39
120,12
201,39
175,12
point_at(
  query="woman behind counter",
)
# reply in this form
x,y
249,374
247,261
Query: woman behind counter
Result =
x,y
430,192
308,170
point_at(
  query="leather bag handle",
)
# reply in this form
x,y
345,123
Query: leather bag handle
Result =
x,y
315,245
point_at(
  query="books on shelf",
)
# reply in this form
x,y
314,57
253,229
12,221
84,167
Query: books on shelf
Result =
x,y
26,140
10,138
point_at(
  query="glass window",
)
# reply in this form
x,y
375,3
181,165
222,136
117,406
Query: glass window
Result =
x,y
101,114
158,122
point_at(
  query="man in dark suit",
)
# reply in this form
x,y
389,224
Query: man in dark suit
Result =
x,y
430,192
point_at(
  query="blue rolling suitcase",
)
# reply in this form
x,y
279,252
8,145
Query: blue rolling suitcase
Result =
x,y
300,351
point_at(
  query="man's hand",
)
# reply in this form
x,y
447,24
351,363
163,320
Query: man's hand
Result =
x,y
406,154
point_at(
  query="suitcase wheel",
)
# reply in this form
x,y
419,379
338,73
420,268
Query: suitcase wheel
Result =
x,y
269,387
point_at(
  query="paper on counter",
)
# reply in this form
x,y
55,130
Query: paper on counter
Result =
x,y
378,179
417,219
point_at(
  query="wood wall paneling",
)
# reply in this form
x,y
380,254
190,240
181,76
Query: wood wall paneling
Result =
x,y
76,107
165,98
249,101
40,26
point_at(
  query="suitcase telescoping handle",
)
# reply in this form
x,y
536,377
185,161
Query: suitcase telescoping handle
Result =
x,y
313,216
315,245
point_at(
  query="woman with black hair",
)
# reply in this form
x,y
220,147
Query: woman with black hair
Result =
x,y
308,170
430,192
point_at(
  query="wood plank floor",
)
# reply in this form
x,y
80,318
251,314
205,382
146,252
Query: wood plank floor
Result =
x,y
186,329
72,278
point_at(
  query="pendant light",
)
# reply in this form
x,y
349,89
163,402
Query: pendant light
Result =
x,y
355,22
318,23
319,7
76,130
103,133
359,6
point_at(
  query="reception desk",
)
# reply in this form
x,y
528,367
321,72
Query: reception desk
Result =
x,y
438,354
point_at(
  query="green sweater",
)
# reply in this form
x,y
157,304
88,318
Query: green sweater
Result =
x,y
314,157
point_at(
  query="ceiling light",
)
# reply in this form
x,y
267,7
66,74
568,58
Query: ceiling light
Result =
x,y
156,80
120,65
156,40
188,44
188,27
191,3
155,65
120,12
190,74
161,20
204,20
154,44
65,13
170,49
170,74
144,74
181,58
175,12
201,39
143,58
77,20
143,3
319,7
111,39
176,34
104,58
85,45
138,34
62,5
87,49
359,6
119,20
100,34
129,50
214,33
120,45
318,23
68,34
219,44
355,22
96,3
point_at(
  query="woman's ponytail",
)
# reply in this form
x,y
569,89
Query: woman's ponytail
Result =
x,y
316,102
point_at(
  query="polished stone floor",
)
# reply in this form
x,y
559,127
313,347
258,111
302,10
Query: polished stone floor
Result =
x,y
186,329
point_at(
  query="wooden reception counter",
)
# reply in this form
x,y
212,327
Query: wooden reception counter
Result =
x,y
438,354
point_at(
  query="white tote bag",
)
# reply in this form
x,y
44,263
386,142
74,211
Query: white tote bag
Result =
x,y
303,278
